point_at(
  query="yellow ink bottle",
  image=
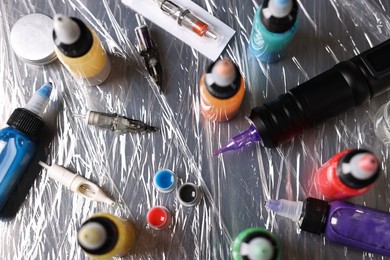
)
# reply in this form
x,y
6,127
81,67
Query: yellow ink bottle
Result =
x,y
80,50
104,236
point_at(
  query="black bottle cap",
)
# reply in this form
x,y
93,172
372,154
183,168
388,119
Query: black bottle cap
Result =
x,y
314,215
81,46
26,122
112,235
348,178
224,92
276,24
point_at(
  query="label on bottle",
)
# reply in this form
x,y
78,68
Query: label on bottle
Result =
x,y
360,227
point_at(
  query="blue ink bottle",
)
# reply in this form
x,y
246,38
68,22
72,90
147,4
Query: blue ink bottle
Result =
x,y
18,141
274,26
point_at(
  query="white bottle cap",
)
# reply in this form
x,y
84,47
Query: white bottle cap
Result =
x,y
67,30
92,236
258,248
362,166
278,8
222,74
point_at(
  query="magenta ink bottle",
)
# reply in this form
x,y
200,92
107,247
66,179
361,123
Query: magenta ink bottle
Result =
x,y
341,222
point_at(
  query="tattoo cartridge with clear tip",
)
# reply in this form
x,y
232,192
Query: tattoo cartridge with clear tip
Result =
x,y
148,51
115,122
185,18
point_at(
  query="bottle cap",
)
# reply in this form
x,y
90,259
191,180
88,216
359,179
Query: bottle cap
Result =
x,y
189,194
164,181
223,73
26,122
358,168
279,16
223,79
256,244
314,215
98,235
67,30
65,33
31,39
159,217
92,235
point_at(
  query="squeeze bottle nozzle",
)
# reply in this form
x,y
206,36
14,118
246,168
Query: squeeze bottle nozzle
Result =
x,y
278,8
40,99
66,29
286,208
77,183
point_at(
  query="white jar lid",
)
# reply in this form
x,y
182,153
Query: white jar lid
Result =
x,y
32,41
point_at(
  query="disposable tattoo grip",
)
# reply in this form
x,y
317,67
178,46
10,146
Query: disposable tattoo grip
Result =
x,y
347,85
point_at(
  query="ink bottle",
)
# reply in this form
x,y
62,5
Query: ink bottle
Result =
x,y
80,50
104,236
349,173
341,222
274,26
256,244
18,142
222,89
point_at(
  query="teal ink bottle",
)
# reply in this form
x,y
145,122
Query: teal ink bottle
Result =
x,y
274,26
18,142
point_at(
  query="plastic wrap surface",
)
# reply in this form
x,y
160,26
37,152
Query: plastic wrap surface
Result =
x,y
42,218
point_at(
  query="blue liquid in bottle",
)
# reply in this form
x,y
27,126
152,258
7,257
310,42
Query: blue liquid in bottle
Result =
x,y
18,141
274,26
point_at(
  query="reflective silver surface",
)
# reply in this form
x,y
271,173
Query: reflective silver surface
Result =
x,y
235,185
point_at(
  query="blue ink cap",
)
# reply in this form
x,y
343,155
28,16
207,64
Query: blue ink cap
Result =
x,y
164,180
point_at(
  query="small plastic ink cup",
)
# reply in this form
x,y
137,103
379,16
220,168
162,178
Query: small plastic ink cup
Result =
x,y
189,194
164,181
159,217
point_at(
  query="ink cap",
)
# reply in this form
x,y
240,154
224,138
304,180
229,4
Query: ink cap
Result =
x,y
164,181
159,217
31,39
189,194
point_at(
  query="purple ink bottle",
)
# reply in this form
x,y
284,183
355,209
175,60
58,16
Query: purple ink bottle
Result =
x,y
342,222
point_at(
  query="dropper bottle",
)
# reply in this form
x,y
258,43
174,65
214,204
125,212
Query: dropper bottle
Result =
x,y
19,140
80,50
222,90
341,222
274,26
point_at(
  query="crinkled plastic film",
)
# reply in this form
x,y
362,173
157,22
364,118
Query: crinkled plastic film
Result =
x,y
43,216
